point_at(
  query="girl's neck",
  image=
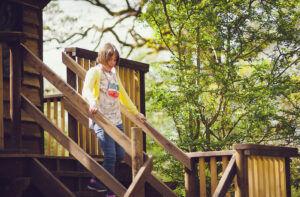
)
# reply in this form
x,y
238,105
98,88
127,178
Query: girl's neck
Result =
x,y
105,70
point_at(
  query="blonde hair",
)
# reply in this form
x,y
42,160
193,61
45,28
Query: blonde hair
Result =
x,y
106,53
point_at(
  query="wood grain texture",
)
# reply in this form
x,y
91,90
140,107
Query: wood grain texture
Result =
x,y
46,182
153,133
227,178
137,185
83,106
87,161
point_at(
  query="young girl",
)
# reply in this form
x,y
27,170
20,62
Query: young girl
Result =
x,y
103,90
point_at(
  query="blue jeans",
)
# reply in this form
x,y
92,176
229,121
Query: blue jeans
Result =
x,y
113,152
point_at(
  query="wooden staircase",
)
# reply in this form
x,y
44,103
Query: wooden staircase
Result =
x,y
40,175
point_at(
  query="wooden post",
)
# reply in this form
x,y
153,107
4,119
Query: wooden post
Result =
x,y
190,181
242,174
72,122
1,102
137,153
15,98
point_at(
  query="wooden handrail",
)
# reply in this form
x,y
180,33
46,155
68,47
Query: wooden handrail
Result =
x,y
92,55
83,106
147,128
85,159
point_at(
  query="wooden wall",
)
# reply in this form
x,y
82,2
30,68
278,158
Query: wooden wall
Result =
x,y
31,24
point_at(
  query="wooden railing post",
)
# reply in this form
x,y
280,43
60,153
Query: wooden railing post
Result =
x,y
72,122
137,153
190,181
242,174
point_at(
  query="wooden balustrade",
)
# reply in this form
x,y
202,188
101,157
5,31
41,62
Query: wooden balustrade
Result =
x,y
211,166
55,109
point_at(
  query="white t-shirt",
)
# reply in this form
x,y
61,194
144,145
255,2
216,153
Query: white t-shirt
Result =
x,y
109,106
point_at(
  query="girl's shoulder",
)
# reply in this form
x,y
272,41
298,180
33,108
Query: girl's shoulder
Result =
x,y
95,69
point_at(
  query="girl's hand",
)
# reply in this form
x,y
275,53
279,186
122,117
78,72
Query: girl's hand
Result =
x,y
93,109
141,117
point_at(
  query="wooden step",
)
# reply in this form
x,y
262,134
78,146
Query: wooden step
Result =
x,y
90,194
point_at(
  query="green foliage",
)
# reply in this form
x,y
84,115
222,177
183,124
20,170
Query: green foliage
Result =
x,y
233,75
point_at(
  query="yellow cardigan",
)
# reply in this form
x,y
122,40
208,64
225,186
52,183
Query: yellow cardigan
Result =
x,y
91,88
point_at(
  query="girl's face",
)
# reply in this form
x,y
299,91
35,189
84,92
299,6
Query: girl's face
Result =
x,y
110,63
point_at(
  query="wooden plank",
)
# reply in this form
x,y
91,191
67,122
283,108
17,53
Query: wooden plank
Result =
x,y
242,174
48,136
277,177
267,150
62,125
33,94
190,182
287,177
87,133
157,136
55,116
83,53
227,178
72,123
83,106
224,166
137,150
137,185
1,102
87,161
156,183
211,153
272,177
46,182
75,113
15,99
251,176
282,177
160,139
202,177
31,80
213,174
261,175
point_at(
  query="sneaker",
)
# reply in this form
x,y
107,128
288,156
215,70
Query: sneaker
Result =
x,y
96,185
110,195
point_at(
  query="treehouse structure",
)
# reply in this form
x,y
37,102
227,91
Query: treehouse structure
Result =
x,y
46,148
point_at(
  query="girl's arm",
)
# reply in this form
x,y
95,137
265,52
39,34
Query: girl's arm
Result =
x,y
126,100
89,85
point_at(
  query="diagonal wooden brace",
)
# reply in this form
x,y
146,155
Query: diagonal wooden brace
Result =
x,y
140,179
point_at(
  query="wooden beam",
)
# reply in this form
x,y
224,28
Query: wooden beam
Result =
x,y
153,133
242,174
137,158
72,122
227,178
15,99
46,182
75,113
83,106
137,149
139,180
211,153
156,183
85,159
